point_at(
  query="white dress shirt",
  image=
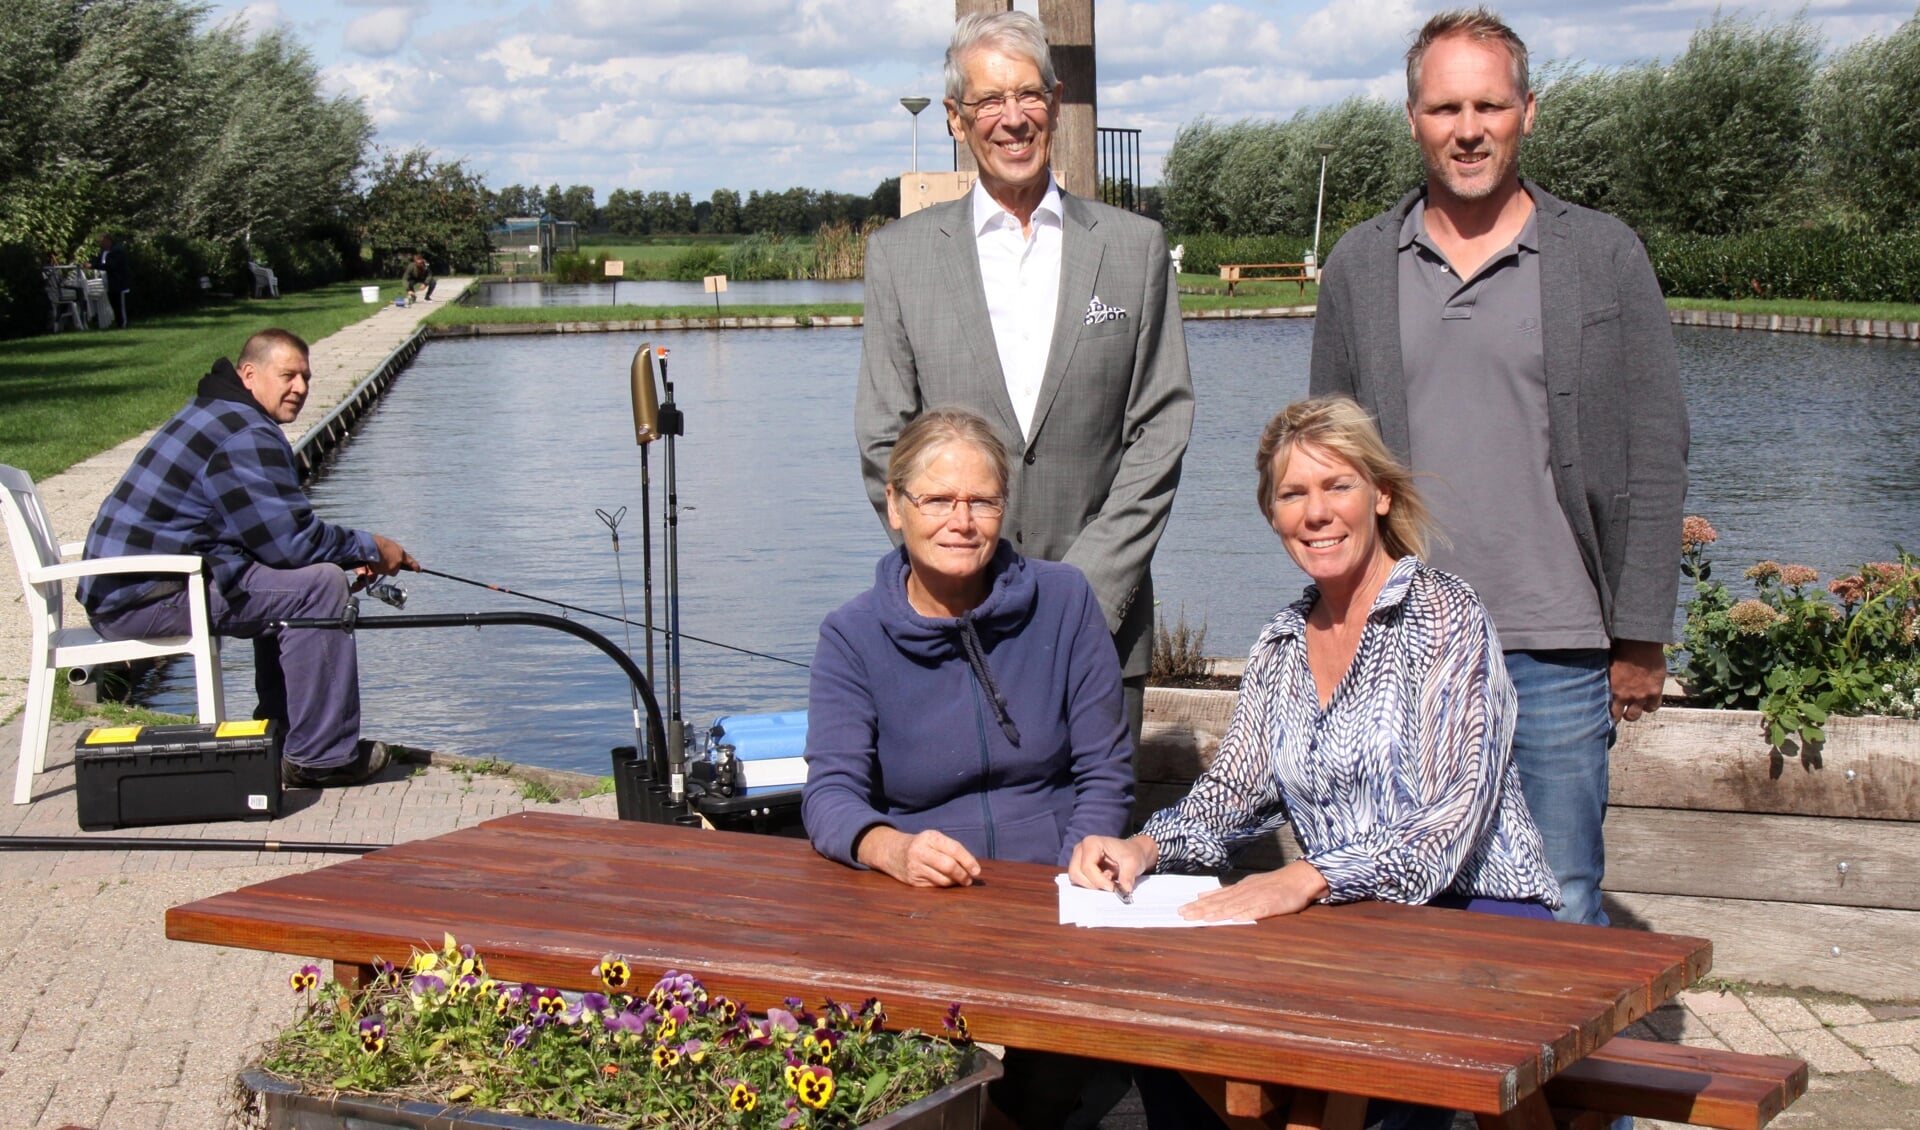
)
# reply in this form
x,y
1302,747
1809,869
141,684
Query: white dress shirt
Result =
x,y
1022,278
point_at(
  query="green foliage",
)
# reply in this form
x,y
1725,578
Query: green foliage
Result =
x,y
416,203
1263,178
1205,251
23,294
166,270
699,261
64,397
1821,263
1868,133
1712,142
1790,652
441,1030
1571,149
579,267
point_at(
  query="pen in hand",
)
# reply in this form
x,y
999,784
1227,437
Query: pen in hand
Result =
x,y
1125,893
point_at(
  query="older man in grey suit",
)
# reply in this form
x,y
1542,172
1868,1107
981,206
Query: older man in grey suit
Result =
x,y
1056,318
1516,350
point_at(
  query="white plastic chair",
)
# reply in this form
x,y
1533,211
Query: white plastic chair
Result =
x,y
265,282
42,574
65,307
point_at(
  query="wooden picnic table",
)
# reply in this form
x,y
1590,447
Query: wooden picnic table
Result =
x,y
1233,274
1295,1021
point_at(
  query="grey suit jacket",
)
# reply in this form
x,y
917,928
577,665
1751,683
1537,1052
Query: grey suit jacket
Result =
x,y
1094,485
1617,422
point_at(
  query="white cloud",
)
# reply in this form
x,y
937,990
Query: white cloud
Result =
x,y
380,33
690,95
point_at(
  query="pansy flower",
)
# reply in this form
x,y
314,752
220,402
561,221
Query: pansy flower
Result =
x,y
871,1014
549,1002
306,978
956,1023
815,1085
743,1097
694,1051
518,1037
373,1035
665,1056
614,973
820,1043
725,1009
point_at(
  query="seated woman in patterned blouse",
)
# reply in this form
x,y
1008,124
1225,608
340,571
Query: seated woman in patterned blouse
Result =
x,y
1375,715
1375,712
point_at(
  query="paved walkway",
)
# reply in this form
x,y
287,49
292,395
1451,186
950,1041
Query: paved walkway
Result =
x,y
340,362
109,1025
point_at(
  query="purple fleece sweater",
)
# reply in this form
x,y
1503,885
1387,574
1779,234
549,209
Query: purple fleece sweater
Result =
x,y
900,733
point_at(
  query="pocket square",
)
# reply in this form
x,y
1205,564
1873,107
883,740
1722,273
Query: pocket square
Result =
x,y
1098,312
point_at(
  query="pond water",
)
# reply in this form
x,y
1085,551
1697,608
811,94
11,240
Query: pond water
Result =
x,y
487,459
659,293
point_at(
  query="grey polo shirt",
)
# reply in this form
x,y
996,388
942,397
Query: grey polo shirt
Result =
x,y
1477,412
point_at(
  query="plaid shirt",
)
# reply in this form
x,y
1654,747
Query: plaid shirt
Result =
x,y
216,481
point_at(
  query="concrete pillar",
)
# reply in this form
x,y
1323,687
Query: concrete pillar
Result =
x,y
1069,25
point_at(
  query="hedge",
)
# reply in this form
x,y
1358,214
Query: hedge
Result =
x,y
1207,250
1814,264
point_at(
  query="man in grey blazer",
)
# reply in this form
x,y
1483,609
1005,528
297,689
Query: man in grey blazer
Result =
x,y
1517,352
1056,318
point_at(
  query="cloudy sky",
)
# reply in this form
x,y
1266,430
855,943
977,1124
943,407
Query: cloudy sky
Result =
x,y
693,95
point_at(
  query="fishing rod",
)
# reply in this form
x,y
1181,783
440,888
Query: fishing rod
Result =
x,y
155,843
609,616
353,621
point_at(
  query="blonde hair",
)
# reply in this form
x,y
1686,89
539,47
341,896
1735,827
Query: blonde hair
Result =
x,y
922,439
1476,25
1340,427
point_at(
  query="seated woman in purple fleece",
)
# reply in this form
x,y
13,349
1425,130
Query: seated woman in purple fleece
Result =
x,y
968,706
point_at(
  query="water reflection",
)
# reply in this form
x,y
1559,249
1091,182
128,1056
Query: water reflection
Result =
x,y
488,458
659,293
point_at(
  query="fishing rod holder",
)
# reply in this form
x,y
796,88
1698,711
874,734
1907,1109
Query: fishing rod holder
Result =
x,y
642,784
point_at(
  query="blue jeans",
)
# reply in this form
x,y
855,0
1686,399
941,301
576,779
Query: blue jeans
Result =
x,y
1560,744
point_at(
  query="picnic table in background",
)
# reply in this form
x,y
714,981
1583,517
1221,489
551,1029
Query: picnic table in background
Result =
x,y
1233,274
1302,1017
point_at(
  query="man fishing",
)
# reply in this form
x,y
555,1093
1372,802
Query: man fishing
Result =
x,y
218,481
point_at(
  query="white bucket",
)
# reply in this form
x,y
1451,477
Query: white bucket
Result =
x,y
369,294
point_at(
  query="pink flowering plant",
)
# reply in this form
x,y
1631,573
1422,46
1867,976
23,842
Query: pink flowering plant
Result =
x,y
1799,652
441,1030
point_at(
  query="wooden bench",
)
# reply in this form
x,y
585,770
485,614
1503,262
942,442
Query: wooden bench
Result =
x,y
1233,274
1674,1083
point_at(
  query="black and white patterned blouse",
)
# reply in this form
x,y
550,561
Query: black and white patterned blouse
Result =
x,y
1403,787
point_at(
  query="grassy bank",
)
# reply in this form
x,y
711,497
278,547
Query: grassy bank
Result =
x,y
66,396
1886,311
461,315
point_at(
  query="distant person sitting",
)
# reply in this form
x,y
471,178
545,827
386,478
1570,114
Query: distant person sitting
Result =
x,y
112,262
218,481
418,278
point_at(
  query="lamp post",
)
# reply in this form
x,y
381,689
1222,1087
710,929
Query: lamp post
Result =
x,y
914,106
1319,206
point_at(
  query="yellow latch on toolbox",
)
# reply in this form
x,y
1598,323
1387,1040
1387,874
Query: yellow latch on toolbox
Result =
x,y
252,728
112,735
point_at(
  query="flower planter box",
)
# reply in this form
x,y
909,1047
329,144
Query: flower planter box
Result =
x,y
286,1106
1804,868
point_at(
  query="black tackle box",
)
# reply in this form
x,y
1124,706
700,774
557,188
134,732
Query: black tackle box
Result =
x,y
127,776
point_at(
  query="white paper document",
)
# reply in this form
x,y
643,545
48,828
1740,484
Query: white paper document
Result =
x,y
1157,900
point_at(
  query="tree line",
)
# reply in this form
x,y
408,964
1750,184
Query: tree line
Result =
x,y
129,116
637,212
1752,128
